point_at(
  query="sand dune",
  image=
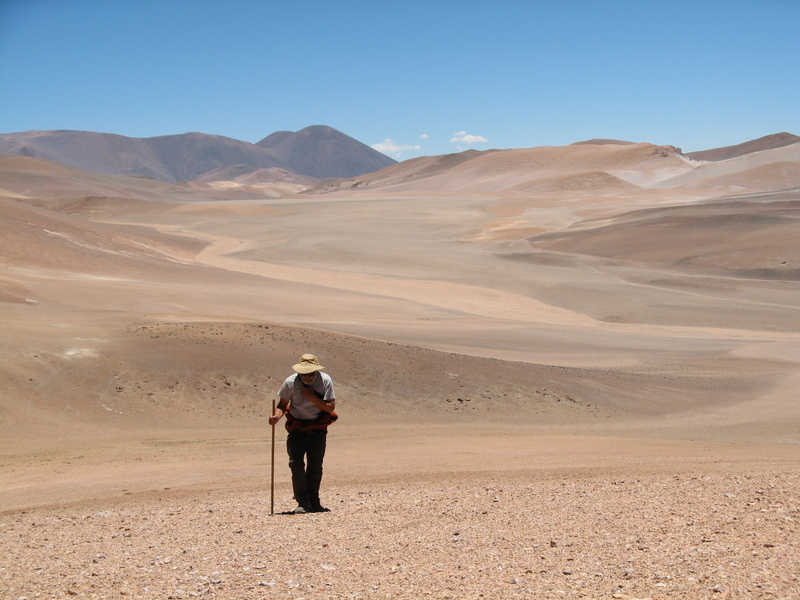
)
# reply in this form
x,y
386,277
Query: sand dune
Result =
x,y
747,235
591,180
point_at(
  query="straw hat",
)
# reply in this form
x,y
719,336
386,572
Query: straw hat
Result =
x,y
308,364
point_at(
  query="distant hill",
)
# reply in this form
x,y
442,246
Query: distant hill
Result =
x,y
316,151
603,142
52,184
322,152
768,142
248,180
597,166
527,170
320,159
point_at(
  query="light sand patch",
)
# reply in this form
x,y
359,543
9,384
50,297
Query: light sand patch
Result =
x,y
504,230
470,299
481,302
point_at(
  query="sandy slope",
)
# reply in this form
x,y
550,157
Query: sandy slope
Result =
x,y
588,390
649,302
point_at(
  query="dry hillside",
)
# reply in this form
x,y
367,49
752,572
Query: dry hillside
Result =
x,y
560,372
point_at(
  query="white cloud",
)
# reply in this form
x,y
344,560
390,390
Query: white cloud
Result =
x,y
424,136
391,148
466,138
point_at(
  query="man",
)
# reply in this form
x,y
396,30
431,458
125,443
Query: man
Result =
x,y
308,401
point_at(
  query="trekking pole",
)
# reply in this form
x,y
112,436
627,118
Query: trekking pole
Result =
x,y
272,468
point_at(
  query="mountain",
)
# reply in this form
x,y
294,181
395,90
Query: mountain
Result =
x,y
768,142
528,170
171,158
595,166
176,158
50,184
287,163
601,142
772,169
322,152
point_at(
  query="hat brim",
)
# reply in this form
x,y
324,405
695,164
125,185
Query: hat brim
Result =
x,y
306,369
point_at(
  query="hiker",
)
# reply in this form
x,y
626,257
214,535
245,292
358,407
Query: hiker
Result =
x,y
308,401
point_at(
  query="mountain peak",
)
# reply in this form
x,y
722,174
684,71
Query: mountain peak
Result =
x,y
322,152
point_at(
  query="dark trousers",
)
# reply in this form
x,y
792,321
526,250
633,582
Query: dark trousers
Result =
x,y
306,452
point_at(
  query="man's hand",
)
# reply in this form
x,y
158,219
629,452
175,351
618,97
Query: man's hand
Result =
x,y
326,405
310,394
276,416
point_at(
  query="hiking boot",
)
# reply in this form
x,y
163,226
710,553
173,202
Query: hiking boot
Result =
x,y
301,510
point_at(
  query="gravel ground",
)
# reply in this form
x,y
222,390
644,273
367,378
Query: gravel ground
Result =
x,y
709,535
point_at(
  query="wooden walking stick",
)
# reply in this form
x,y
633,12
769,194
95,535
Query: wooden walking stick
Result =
x,y
272,469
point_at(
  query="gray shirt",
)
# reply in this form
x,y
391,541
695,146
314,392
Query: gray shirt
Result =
x,y
299,406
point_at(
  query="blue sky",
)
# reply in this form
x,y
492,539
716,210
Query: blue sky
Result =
x,y
409,78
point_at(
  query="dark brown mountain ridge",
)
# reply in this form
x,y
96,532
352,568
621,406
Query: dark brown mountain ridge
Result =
x,y
316,151
324,152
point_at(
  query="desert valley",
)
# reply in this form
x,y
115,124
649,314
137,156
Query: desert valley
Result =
x,y
561,372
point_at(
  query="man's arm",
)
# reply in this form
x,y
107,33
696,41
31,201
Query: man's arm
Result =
x,y
326,405
280,410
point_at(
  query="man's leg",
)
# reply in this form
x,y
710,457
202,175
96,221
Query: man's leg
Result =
x,y
315,454
296,447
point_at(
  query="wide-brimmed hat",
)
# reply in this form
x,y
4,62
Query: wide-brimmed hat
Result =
x,y
308,364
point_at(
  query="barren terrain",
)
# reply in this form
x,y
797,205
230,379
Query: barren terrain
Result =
x,y
560,373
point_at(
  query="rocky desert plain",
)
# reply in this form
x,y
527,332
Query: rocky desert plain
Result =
x,y
561,372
